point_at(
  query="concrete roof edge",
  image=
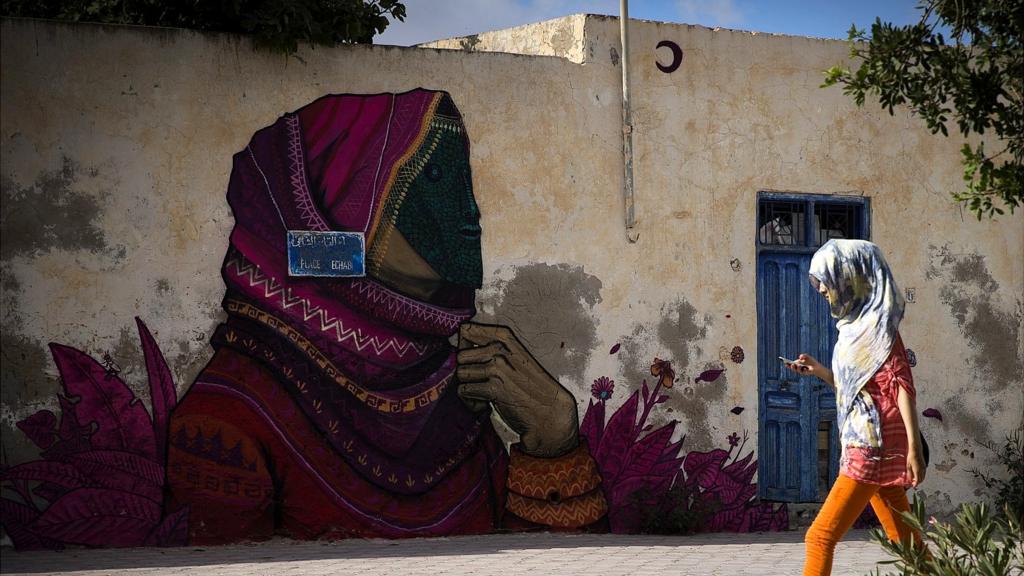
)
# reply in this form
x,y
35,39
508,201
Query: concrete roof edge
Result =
x,y
169,32
717,28
510,28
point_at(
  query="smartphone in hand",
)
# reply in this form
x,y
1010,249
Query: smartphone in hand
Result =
x,y
799,367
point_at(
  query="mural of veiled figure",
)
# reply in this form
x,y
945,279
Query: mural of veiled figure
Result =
x,y
337,407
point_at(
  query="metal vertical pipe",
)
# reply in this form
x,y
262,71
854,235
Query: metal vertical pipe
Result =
x,y
627,124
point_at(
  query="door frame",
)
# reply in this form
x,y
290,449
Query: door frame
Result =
x,y
808,486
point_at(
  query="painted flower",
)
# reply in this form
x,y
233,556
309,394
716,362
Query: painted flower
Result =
x,y
734,439
737,355
602,388
663,370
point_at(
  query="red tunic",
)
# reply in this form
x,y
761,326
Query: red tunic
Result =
x,y
890,468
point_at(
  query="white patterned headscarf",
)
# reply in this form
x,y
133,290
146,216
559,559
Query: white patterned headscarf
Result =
x,y
868,308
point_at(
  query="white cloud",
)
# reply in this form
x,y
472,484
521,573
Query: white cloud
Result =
x,y
428,20
711,12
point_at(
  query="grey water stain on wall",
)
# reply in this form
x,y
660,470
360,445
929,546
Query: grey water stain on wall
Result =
x,y
678,330
636,363
681,330
24,360
676,338
956,410
50,214
550,308
23,379
692,402
969,294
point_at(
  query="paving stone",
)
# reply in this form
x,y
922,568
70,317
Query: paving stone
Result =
x,y
532,554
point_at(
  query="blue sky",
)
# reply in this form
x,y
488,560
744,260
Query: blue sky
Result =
x,y
434,19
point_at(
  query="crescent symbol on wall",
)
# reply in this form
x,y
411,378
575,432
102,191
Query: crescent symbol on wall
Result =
x,y
677,56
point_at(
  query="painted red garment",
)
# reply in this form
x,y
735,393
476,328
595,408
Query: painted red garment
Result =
x,y
890,468
250,466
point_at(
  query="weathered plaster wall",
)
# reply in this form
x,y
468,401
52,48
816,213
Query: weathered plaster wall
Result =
x,y
116,147
559,37
744,113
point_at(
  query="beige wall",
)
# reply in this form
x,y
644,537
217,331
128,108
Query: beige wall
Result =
x,y
116,147
745,113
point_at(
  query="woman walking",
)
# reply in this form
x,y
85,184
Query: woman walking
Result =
x,y
882,454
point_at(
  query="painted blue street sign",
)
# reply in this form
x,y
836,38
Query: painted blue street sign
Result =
x,y
329,254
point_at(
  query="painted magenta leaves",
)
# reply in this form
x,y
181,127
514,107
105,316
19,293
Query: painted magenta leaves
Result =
x,y
702,468
122,422
41,428
103,465
163,396
172,530
709,376
57,473
647,452
15,516
618,437
651,488
742,470
98,517
592,426
121,471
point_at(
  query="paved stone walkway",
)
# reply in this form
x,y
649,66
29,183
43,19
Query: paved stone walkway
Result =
x,y
502,555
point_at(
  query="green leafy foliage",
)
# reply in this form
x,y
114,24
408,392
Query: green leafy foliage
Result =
x,y
1009,491
976,543
277,25
974,79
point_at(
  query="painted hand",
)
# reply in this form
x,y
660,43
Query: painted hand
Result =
x,y
495,369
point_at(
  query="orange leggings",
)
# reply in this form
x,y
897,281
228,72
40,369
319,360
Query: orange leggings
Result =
x,y
845,502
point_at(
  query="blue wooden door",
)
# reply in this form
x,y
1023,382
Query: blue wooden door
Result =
x,y
793,408
798,448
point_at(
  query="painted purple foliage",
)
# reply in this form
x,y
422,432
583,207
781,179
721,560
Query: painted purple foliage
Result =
x,y
648,484
709,376
102,471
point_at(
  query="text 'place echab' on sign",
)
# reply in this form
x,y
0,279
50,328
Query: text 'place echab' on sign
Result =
x,y
330,254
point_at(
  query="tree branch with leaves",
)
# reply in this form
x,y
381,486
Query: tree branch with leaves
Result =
x,y
276,25
972,76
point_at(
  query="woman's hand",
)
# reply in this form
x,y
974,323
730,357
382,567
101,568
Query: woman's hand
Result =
x,y
915,450
495,369
915,465
806,365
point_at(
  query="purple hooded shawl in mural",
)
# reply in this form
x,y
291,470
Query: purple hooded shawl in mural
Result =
x,y
372,368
